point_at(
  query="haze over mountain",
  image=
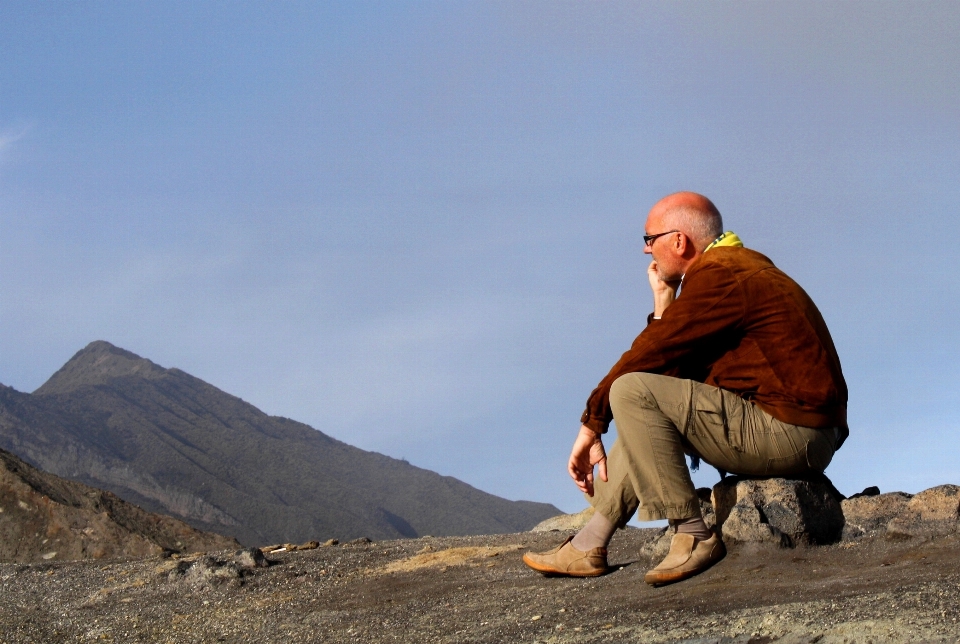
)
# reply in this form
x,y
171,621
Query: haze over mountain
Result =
x,y
44,517
174,444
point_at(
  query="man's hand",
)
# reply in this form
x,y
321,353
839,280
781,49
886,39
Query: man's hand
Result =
x,y
664,293
587,452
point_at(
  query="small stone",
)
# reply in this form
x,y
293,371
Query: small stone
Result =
x,y
309,545
250,558
359,542
208,571
331,542
872,490
536,617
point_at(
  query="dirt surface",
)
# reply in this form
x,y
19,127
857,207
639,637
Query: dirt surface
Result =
x,y
476,589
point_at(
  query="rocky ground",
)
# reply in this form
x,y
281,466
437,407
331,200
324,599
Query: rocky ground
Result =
x,y
884,588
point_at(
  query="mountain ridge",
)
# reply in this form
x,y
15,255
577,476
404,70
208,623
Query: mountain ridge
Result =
x,y
44,517
172,443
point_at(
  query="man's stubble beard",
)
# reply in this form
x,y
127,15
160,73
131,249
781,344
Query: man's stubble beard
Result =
x,y
666,277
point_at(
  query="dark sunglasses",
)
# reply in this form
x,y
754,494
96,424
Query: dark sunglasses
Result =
x,y
648,239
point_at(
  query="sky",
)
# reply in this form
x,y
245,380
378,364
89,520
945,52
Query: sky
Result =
x,y
417,226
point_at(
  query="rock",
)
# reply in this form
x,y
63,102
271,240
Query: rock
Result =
x,y
705,495
872,490
785,512
309,545
204,571
565,521
359,542
250,558
746,522
930,513
869,515
941,503
331,542
659,547
208,571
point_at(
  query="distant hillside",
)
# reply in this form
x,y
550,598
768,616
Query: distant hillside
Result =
x,y
44,517
174,444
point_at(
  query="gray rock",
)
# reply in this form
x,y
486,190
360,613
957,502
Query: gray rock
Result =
x,y
784,512
250,558
204,571
705,495
869,515
746,522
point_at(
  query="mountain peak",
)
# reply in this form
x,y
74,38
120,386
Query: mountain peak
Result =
x,y
95,364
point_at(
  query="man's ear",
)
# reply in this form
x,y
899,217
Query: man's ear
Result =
x,y
685,246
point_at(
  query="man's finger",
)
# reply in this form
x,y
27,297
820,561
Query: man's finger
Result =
x,y
603,469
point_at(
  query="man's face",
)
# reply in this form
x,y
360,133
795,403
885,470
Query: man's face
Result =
x,y
669,268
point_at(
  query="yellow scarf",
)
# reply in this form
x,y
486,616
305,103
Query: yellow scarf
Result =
x,y
728,238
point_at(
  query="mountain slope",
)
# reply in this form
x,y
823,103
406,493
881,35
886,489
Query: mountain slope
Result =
x,y
45,517
172,443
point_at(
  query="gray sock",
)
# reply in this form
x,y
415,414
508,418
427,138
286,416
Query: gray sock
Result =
x,y
694,526
596,534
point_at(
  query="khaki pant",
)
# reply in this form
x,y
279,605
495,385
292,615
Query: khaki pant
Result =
x,y
660,419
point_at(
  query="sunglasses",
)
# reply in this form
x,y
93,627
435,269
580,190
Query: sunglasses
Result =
x,y
648,239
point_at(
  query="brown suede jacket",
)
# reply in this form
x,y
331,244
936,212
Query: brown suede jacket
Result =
x,y
740,324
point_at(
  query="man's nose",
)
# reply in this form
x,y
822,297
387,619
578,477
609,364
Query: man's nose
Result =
x,y
647,249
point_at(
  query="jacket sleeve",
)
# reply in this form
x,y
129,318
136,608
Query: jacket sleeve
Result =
x,y
710,304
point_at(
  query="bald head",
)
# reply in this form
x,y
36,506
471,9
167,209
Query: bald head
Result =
x,y
692,214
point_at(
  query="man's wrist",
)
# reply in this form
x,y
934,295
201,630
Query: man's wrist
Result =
x,y
661,302
589,432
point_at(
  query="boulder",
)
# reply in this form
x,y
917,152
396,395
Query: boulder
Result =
x,y
869,515
783,512
941,503
930,513
565,522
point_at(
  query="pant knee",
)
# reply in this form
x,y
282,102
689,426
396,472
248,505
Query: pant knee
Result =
x,y
630,389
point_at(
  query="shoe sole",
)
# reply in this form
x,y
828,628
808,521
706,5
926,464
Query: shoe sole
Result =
x,y
554,572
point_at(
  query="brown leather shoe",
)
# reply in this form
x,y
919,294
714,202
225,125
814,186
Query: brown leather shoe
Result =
x,y
687,557
568,561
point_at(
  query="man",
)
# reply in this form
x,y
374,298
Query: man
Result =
x,y
736,366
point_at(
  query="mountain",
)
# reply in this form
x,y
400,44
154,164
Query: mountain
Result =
x,y
173,444
44,517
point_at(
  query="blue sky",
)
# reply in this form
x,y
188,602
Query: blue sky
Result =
x,y
416,226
